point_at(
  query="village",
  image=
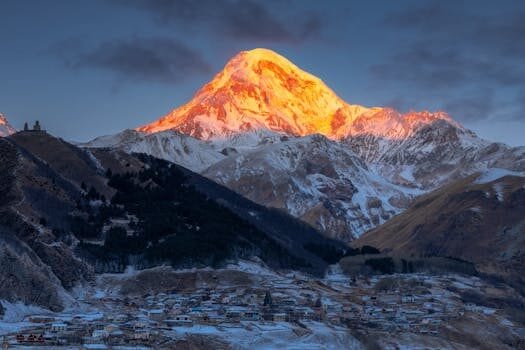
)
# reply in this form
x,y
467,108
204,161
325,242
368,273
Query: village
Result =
x,y
414,303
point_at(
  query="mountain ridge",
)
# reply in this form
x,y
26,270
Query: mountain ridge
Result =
x,y
59,204
260,89
478,219
261,104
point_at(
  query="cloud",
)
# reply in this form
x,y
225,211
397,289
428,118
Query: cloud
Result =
x,y
471,107
238,19
432,66
154,59
450,49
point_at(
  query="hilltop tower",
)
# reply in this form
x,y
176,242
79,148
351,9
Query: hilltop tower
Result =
x,y
37,128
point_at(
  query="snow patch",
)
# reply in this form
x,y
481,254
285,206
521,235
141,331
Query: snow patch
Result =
x,y
494,174
408,173
16,312
476,210
498,188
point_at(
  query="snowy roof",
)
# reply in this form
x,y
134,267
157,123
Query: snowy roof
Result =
x,y
156,311
94,346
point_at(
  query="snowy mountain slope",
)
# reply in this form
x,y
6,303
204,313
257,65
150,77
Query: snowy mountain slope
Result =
x,y
5,128
169,145
315,179
251,129
261,90
435,155
54,207
478,219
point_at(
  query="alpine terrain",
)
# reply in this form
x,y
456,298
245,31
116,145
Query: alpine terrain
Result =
x,y
68,213
279,136
265,213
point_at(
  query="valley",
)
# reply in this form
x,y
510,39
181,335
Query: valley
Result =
x,y
248,306
266,212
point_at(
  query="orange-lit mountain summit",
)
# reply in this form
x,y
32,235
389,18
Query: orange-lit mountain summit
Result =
x,y
5,127
260,89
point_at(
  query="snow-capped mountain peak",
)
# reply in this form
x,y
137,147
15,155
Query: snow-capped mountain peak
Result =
x,y
279,136
5,128
260,89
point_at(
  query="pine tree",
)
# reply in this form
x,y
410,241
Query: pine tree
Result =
x,y
268,299
318,302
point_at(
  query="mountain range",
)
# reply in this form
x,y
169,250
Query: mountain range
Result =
x,y
270,142
280,137
358,226
67,213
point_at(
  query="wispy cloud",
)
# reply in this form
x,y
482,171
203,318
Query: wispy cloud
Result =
x,y
153,59
469,57
238,19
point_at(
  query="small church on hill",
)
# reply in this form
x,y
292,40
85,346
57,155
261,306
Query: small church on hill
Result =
x,y
36,127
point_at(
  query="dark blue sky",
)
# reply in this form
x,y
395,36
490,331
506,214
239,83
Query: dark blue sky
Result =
x,y
86,68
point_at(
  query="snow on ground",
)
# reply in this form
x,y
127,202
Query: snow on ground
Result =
x,y
256,268
95,161
12,327
476,210
16,312
335,275
408,173
278,335
14,315
498,188
494,174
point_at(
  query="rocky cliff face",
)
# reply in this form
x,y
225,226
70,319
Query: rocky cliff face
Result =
x,y
434,155
317,180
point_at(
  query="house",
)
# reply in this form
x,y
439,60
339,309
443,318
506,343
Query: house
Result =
x,y
121,318
31,338
250,299
389,299
99,334
40,319
156,314
304,313
142,335
58,327
408,299
279,317
234,313
111,328
251,315
139,325
287,302
413,314
180,320
214,319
